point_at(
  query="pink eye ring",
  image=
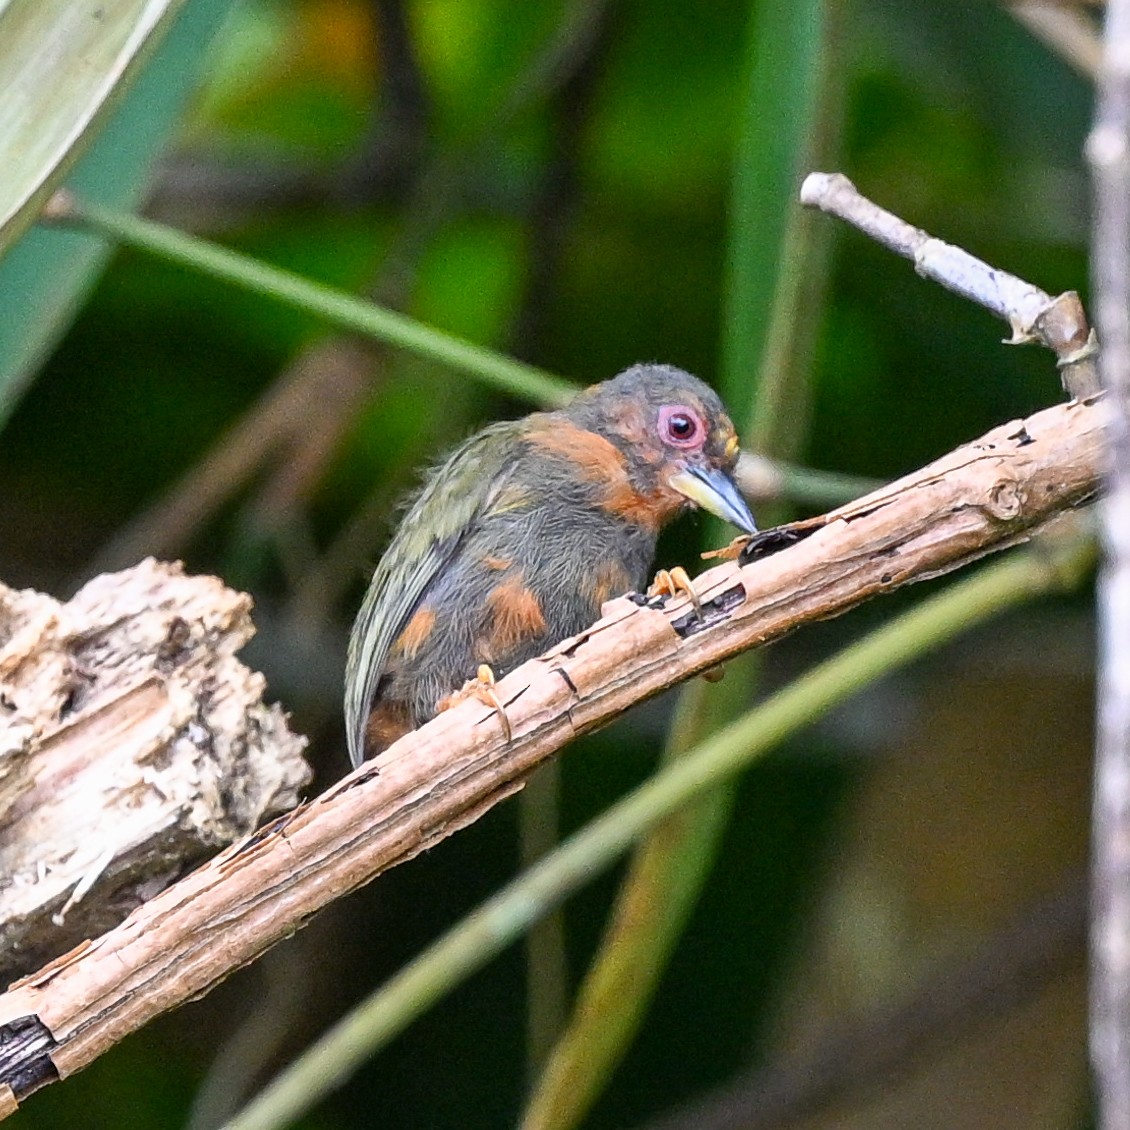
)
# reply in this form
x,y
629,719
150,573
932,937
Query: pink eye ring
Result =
x,y
681,426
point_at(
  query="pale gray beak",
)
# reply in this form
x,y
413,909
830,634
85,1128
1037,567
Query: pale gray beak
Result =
x,y
715,492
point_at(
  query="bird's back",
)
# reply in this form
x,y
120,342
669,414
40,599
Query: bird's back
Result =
x,y
530,570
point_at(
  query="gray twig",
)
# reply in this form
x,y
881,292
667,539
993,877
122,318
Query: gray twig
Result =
x,y
1058,323
1071,33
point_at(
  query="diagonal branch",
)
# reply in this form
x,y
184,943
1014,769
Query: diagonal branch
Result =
x,y
977,499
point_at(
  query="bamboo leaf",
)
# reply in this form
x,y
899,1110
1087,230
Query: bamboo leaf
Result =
x,y
77,85
63,63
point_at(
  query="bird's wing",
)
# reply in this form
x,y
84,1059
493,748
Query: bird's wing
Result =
x,y
428,537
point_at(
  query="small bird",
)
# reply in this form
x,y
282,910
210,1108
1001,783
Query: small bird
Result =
x,y
516,540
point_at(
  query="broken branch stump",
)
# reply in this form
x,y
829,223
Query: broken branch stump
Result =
x,y
133,744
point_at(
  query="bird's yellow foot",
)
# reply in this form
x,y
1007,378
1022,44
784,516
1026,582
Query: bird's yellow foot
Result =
x,y
481,687
672,582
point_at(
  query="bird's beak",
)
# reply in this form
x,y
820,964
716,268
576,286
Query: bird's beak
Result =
x,y
716,493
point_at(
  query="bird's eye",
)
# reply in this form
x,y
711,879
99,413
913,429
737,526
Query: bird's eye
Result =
x,y
680,426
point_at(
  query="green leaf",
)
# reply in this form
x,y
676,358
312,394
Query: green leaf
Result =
x,y
62,64
785,45
47,124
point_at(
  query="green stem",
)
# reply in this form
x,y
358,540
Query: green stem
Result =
x,y
335,306
659,892
782,87
809,487
507,915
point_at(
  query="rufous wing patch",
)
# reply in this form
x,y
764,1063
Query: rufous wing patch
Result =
x,y
415,633
388,721
609,579
515,618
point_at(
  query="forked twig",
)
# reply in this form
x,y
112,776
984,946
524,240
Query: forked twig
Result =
x,y
1060,323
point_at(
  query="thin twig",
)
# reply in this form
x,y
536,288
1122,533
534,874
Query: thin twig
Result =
x,y
1064,29
1059,323
1108,149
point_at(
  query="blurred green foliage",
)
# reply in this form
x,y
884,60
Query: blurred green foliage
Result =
x,y
946,123
46,277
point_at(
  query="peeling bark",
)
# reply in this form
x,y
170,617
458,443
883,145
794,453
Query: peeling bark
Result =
x,y
132,744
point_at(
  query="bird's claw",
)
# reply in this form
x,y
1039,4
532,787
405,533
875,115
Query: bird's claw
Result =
x,y
481,687
672,582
